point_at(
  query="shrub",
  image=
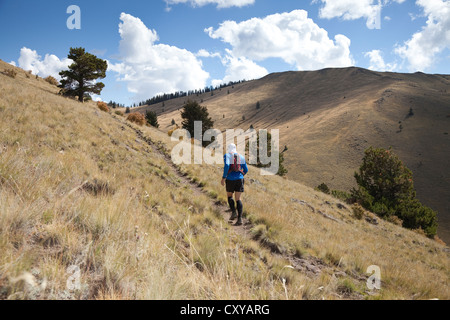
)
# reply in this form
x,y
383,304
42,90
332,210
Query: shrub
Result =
x,y
52,81
119,113
10,73
102,106
323,188
137,118
127,110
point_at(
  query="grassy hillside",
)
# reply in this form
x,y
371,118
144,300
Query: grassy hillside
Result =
x,y
85,188
328,118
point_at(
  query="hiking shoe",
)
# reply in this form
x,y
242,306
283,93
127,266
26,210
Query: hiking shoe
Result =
x,y
239,222
233,216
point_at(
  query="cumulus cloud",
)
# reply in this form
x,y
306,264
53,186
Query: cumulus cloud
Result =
x,y
219,3
424,46
149,68
355,9
239,69
377,61
51,65
202,53
292,37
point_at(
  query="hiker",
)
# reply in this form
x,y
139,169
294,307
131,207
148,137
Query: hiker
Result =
x,y
233,177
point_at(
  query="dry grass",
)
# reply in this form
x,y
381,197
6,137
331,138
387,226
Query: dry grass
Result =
x,y
10,73
78,188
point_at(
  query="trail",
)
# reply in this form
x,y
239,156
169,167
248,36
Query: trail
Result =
x,y
311,266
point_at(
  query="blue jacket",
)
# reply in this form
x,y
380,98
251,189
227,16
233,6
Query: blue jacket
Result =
x,y
228,160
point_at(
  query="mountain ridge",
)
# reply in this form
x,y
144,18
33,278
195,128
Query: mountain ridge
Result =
x,y
327,118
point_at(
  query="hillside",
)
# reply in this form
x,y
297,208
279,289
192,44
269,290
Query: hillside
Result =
x,y
328,118
91,207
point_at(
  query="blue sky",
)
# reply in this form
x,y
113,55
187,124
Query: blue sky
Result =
x,y
167,45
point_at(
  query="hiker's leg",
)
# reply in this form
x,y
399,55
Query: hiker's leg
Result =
x,y
239,207
232,205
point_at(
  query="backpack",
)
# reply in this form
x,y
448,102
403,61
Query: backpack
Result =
x,y
236,165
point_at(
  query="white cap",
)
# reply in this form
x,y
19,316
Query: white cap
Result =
x,y
231,148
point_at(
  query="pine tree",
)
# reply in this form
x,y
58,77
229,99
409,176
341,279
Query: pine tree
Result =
x,y
79,79
192,112
385,186
152,118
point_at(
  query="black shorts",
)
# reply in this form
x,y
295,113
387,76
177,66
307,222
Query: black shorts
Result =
x,y
235,185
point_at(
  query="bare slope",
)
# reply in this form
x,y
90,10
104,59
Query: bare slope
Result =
x,y
328,118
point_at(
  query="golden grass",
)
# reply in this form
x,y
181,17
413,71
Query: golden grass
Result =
x,y
79,188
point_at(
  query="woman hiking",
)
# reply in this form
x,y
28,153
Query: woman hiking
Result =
x,y
233,177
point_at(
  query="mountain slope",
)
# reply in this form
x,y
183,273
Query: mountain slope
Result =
x,y
86,195
328,118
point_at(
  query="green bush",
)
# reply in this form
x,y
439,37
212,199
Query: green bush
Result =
x,y
385,187
323,188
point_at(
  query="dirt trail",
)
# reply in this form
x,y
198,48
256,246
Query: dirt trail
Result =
x,y
311,266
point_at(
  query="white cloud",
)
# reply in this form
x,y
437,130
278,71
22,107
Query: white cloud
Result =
x,y
292,36
422,49
377,62
220,3
239,69
150,68
202,53
355,9
51,65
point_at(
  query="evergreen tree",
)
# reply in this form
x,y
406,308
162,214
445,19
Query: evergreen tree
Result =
x,y
385,186
152,118
79,79
192,112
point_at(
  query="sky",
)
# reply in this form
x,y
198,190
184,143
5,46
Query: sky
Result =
x,y
163,46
